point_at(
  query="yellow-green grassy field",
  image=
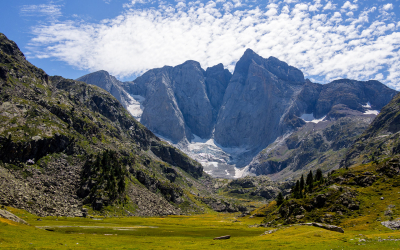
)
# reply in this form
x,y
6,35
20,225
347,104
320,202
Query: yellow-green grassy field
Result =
x,y
182,232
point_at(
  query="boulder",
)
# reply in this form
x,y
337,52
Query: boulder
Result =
x,y
10,216
226,237
328,227
394,225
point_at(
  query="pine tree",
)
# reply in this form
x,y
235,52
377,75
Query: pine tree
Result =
x,y
301,183
310,181
318,175
297,188
280,199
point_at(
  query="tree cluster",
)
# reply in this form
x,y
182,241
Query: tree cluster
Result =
x,y
301,188
105,176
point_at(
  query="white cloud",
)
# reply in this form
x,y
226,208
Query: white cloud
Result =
x,y
323,45
132,3
317,4
50,11
387,7
350,6
329,6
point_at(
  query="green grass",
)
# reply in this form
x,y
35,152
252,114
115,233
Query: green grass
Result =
x,y
179,232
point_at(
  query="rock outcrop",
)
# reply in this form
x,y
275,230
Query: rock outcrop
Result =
x,y
10,216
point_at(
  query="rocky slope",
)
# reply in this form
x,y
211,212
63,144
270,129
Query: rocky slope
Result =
x,y
109,83
362,193
65,145
321,144
380,141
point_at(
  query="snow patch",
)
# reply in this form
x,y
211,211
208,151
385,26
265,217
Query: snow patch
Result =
x,y
135,106
371,112
367,106
311,118
227,173
240,172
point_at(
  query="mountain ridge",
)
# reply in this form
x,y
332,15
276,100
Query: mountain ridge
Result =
x,y
261,101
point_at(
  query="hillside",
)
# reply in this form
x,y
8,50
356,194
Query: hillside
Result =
x,y
361,195
380,141
66,145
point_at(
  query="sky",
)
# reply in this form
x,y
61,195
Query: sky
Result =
x,y
326,39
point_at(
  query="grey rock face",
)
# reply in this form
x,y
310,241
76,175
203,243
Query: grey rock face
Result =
x,y
161,113
182,100
319,99
190,92
257,96
10,216
217,79
107,82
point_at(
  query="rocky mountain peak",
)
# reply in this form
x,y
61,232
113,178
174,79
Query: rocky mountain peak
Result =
x,y
10,47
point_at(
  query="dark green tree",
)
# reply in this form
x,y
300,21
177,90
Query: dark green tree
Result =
x,y
318,175
280,199
310,181
302,184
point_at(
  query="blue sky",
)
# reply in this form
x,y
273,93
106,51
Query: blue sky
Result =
x,y
326,39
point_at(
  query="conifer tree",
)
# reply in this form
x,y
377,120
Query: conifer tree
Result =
x,y
318,175
301,183
310,181
280,199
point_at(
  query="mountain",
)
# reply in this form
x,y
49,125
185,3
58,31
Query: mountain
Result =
x,y
239,124
345,108
67,147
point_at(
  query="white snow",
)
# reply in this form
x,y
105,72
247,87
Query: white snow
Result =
x,y
136,107
240,172
368,105
311,118
371,112
227,173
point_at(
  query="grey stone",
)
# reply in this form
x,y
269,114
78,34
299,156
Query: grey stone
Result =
x,y
10,216
394,225
328,227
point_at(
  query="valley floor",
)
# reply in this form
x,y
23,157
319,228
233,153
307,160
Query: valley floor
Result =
x,y
182,232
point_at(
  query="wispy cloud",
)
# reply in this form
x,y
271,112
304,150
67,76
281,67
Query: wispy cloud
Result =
x,y
50,11
326,45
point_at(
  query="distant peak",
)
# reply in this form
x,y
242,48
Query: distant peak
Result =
x,y
191,62
249,51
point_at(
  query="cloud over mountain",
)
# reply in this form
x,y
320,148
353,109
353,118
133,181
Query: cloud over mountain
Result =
x,y
326,40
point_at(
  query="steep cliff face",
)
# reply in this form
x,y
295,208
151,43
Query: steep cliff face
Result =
x,y
258,95
335,115
318,99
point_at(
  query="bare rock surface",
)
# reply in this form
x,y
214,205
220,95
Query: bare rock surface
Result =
x,y
10,216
